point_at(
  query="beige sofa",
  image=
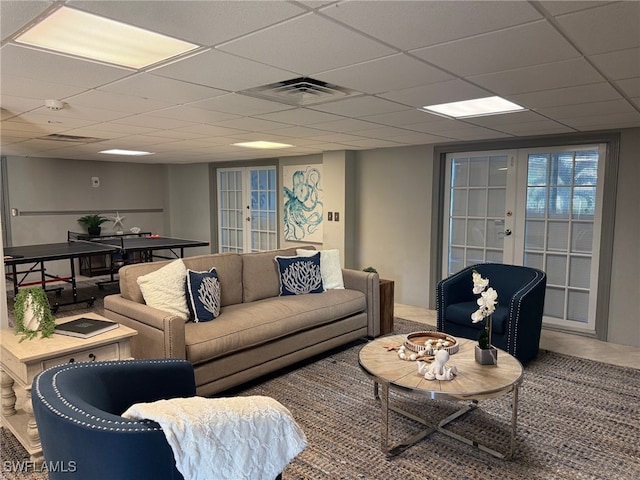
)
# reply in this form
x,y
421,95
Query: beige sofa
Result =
x,y
257,331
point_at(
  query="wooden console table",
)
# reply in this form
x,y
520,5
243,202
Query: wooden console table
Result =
x,y
386,306
22,361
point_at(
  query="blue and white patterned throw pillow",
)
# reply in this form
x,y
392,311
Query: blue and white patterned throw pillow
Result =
x,y
300,275
203,295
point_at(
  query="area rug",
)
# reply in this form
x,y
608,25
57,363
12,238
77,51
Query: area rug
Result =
x,y
578,419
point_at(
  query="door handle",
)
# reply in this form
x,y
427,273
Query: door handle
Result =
x,y
506,233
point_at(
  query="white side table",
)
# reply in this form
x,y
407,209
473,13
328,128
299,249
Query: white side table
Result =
x,y
22,361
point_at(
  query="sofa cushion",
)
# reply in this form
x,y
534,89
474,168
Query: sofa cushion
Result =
x,y
245,326
229,270
260,274
330,267
228,267
164,288
203,295
300,275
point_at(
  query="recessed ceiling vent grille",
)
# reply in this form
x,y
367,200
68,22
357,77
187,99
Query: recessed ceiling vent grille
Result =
x,y
71,138
301,91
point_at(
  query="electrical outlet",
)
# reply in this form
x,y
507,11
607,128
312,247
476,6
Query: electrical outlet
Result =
x,y
336,216
330,216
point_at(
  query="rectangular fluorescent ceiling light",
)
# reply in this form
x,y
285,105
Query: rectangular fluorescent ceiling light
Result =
x,y
477,107
89,36
117,151
262,144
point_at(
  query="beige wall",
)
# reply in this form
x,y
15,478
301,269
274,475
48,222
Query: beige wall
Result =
x,y
393,232
624,306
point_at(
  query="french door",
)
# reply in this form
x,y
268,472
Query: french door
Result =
x,y
247,209
533,207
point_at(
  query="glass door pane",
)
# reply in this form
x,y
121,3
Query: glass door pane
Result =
x,y
230,211
474,230
263,211
247,210
561,218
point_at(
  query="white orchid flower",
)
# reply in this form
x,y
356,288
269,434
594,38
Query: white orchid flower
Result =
x,y
479,283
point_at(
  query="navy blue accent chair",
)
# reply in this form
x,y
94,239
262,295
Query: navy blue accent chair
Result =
x,y
517,321
77,408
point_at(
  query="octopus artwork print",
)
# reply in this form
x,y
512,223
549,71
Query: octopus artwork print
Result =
x,y
303,203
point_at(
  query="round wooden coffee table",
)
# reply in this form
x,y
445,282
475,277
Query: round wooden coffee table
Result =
x,y
472,383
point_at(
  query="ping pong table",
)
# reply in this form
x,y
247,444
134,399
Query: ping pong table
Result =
x,y
38,255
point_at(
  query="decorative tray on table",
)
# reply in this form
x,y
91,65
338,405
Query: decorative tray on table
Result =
x,y
418,341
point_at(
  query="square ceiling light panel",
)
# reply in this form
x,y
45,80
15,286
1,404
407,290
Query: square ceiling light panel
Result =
x,y
89,36
477,107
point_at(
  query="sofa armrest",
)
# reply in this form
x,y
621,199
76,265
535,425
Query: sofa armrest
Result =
x,y
160,334
369,284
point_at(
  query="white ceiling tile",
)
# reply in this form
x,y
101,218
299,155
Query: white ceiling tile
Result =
x,y
419,138
300,116
203,22
365,143
515,47
594,92
555,7
403,117
384,132
15,15
222,71
614,26
630,86
191,114
12,106
46,118
412,24
210,130
346,125
251,124
240,105
474,133
360,106
381,75
443,92
116,102
57,68
598,122
164,89
506,119
37,88
298,131
153,122
547,127
126,129
588,109
565,73
620,64
288,46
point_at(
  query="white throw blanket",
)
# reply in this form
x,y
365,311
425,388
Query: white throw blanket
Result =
x,y
226,438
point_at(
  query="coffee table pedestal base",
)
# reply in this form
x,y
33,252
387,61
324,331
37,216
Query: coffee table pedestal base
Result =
x,y
381,392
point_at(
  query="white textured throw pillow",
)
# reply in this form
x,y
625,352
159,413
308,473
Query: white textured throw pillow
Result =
x,y
164,289
330,267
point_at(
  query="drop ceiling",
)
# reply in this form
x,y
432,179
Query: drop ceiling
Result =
x,y
574,65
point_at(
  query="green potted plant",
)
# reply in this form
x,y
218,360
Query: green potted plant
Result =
x,y
93,222
32,312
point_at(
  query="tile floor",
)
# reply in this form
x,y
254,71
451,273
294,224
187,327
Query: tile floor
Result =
x,y
576,345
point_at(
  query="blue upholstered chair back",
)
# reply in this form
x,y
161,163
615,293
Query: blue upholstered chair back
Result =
x,y
518,318
78,406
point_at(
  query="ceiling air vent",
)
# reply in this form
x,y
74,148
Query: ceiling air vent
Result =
x,y
300,91
71,138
